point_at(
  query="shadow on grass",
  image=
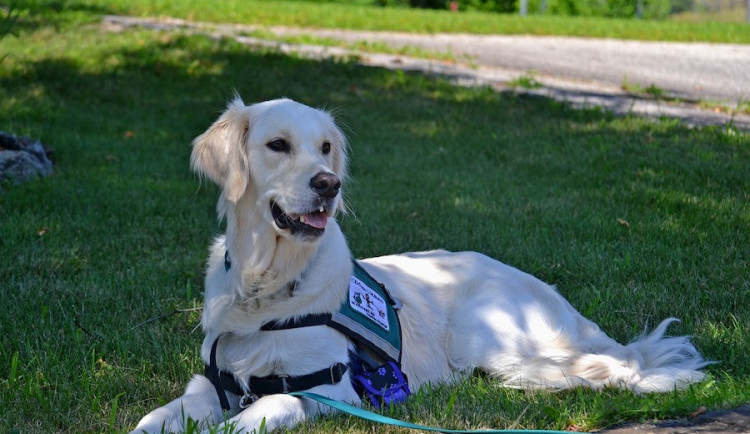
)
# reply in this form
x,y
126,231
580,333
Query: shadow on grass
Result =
x,y
487,161
528,181
33,15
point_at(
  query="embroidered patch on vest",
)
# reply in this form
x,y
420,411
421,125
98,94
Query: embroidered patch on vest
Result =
x,y
368,302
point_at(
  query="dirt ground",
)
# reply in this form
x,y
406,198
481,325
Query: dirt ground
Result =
x,y
712,422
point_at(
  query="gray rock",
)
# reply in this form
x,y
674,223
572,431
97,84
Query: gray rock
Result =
x,y
22,159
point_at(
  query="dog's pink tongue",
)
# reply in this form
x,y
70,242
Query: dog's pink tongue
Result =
x,y
316,219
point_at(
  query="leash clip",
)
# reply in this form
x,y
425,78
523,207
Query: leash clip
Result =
x,y
247,400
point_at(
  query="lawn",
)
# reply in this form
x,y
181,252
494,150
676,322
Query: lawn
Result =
x,y
101,278
320,14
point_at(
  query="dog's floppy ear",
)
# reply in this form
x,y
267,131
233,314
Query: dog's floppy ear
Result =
x,y
340,158
220,154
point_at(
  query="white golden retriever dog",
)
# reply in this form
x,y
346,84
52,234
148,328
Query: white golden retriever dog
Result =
x,y
281,167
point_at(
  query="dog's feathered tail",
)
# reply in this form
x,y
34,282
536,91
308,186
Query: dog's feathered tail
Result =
x,y
652,363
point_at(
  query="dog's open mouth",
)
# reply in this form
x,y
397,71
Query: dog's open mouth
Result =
x,y
311,223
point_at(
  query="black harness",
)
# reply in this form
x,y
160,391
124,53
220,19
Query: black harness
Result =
x,y
360,361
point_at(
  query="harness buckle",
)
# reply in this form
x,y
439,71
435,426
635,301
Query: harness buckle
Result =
x,y
284,384
247,400
335,376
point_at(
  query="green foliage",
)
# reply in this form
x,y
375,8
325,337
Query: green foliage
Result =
x,y
526,81
651,91
364,17
429,4
463,5
652,9
506,6
8,21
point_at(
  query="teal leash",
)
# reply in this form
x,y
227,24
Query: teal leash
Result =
x,y
379,418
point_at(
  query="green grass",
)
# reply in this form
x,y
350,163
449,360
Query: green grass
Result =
x,y
359,46
654,92
325,15
526,81
633,220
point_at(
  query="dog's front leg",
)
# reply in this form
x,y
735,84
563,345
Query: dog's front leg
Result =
x,y
199,403
288,411
278,410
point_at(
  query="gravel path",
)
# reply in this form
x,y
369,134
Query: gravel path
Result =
x,y
695,71
580,71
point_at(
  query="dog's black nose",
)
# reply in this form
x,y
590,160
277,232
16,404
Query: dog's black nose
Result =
x,y
325,184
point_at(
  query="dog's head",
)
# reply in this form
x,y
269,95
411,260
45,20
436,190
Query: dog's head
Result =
x,y
288,159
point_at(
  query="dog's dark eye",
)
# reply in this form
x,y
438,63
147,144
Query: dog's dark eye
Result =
x,y
326,148
278,145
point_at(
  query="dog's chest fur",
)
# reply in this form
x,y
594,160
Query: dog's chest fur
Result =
x,y
246,351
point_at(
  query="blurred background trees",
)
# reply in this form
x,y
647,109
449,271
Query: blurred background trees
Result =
x,y
647,9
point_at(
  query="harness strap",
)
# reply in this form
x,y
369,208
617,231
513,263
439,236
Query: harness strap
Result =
x,y
305,321
273,384
362,324
214,376
226,382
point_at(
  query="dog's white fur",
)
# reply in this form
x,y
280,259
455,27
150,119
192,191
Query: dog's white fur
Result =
x,y
460,310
